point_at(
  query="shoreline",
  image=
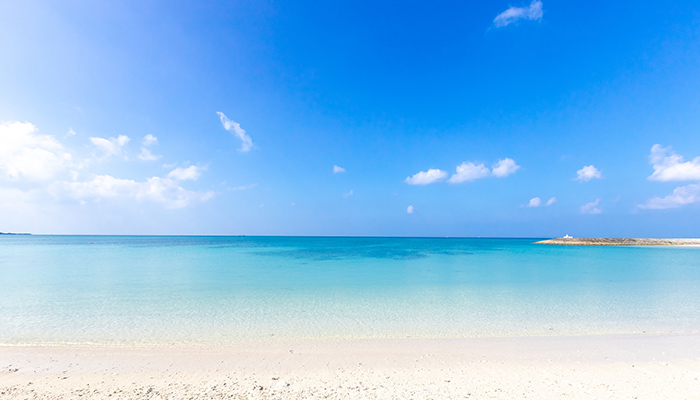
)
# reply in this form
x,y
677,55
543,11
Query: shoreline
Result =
x,y
608,366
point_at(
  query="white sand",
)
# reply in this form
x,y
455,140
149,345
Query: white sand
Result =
x,y
644,366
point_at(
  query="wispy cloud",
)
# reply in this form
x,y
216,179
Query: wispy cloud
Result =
x,y
587,173
242,187
410,210
681,196
338,170
149,140
426,177
533,12
591,208
348,194
146,155
112,146
551,201
192,172
669,166
160,190
236,130
70,132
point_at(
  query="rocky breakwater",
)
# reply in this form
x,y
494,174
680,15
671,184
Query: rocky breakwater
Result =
x,y
620,242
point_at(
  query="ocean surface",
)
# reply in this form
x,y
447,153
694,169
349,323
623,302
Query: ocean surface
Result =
x,y
170,289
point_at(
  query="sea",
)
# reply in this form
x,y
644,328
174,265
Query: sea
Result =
x,y
154,290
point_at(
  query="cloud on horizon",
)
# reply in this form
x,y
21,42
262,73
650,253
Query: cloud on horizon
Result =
x,y
533,12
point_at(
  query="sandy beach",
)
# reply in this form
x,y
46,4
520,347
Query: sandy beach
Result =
x,y
637,366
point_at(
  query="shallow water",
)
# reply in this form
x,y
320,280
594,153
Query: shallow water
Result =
x,y
162,289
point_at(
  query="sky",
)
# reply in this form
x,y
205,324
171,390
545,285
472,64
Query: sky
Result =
x,y
382,118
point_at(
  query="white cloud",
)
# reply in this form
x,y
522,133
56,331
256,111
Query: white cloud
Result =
x,y
337,169
587,173
410,210
591,208
681,196
533,12
426,177
534,202
235,128
469,172
505,167
149,140
192,172
537,202
465,172
155,189
70,132
111,146
668,166
25,154
146,155
348,194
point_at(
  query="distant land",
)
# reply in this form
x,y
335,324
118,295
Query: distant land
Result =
x,y
620,242
11,233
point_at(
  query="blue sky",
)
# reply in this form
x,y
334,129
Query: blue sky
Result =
x,y
532,119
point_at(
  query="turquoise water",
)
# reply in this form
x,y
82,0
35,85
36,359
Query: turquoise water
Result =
x,y
150,289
